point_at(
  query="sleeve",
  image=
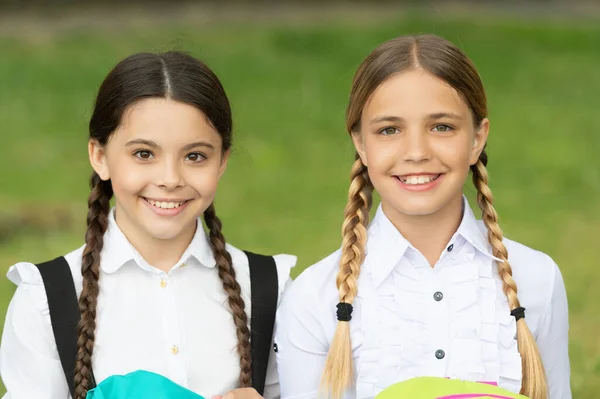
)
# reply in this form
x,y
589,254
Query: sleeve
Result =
x,y
272,379
301,341
553,340
284,265
29,362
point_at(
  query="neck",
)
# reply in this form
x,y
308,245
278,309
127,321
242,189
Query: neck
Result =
x,y
429,234
162,254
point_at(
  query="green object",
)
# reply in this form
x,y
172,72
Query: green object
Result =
x,y
444,388
140,385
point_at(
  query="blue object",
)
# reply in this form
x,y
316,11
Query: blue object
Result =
x,y
140,385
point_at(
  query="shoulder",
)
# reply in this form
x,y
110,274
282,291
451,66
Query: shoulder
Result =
x,y
283,262
533,270
29,281
536,274
306,309
317,283
540,286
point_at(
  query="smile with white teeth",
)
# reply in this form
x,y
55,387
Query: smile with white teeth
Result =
x,y
415,180
165,205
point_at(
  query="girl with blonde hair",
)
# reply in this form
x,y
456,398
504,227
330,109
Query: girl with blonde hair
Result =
x,y
425,289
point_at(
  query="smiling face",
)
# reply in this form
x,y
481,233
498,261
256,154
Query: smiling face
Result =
x,y
164,162
418,139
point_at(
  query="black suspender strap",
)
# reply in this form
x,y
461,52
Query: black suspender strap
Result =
x,y
64,313
264,292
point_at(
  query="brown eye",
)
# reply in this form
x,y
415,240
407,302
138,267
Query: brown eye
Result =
x,y
143,154
196,157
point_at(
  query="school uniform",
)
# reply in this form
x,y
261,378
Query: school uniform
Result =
x,y
176,324
412,320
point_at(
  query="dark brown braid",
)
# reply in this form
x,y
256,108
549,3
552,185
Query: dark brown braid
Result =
x,y
180,77
97,221
233,290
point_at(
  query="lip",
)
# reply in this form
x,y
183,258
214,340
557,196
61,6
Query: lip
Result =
x,y
163,211
420,187
166,199
420,174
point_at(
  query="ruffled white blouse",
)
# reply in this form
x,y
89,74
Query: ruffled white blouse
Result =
x,y
413,320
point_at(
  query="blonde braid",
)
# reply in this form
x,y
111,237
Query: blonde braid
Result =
x,y
338,372
534,383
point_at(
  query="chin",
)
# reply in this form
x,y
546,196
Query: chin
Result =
x,y
164,234
415,208
169,230
417,211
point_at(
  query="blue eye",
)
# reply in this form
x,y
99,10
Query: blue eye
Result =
x,y
388,131
196,157
143,154
443,128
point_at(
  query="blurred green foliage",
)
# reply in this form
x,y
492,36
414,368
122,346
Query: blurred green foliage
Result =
x,y
286,185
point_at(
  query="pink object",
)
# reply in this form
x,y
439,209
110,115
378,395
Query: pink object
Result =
x,y
473,395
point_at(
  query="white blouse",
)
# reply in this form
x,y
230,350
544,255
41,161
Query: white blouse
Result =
x,y
413,320
176,324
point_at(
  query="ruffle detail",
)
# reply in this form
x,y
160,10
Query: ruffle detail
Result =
x,y
395,328
511,366
284,264
473,324
27,276
394,332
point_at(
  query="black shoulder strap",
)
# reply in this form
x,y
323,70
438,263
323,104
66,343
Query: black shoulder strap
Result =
x,y
64,313
264,290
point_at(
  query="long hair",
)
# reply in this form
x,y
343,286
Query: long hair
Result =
x,y
444,60
181,77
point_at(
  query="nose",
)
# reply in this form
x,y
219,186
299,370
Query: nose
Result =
x,y
169,175
417,148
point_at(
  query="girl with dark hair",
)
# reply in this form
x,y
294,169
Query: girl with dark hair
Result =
x,y
150,290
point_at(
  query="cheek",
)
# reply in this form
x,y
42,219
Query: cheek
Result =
x,y
205,181
381,155
454,153
128,177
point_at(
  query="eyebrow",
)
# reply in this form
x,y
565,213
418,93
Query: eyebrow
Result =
x,y
152,144
441,115
199,144
385,118
434,116
149,143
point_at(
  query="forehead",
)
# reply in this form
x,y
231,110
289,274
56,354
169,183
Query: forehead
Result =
x,y
165,120
414,93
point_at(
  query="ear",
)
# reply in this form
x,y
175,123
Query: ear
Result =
x,y
97,154
479,140
359,144
224,160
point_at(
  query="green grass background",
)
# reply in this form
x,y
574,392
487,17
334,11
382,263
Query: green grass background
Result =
x,y
286,185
